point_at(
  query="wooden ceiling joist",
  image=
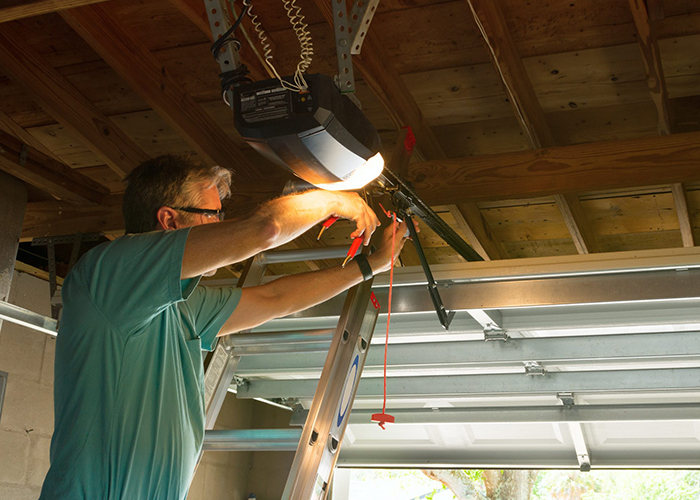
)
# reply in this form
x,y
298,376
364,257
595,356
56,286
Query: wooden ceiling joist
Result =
x,y
99,26
50,218
19,9
58,217
35,168
509,66
12,127
649,46
646,36
66,104
480,236
577,223
604,165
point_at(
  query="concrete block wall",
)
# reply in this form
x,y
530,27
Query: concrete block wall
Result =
x,y
269,469
26,423
224,474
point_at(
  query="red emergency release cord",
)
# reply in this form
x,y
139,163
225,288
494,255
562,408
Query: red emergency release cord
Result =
x,y
383,418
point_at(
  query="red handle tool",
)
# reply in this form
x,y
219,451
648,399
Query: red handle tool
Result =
x,y
356,244
329,222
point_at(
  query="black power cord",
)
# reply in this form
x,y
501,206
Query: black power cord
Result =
x,y
233,78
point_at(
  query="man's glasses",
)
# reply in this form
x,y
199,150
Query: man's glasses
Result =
x,y
207,212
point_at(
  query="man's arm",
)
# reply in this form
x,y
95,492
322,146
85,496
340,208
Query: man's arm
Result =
x,y
291,294
211,246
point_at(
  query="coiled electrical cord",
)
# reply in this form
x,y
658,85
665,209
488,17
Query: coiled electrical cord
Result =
x,y
300,28
296,19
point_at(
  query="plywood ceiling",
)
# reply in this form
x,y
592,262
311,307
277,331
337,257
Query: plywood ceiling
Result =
x,y
542,129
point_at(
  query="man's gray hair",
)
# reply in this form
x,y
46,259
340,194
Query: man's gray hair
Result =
x,y
168,181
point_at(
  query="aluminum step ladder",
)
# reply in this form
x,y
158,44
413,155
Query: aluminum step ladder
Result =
x,y
318,448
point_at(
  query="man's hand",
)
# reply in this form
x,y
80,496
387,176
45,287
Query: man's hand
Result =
x,y
381,260
351,206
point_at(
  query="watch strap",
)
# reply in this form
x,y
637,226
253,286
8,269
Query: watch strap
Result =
x,y
365,268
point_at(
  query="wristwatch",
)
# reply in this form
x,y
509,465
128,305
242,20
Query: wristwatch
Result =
x,y
365,268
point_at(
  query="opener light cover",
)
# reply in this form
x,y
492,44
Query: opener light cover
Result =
x,y
321,136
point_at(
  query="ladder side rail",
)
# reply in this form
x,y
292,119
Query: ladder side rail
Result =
x,y
317,452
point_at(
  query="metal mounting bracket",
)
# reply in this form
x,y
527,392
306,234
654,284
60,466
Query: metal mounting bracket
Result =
x,y
533,368
495,334
567,398
342,29
361,15
220,22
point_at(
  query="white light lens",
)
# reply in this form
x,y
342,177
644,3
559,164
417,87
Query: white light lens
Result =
x,y
362,176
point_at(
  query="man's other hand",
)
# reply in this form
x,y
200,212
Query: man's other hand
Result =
x,y
381,260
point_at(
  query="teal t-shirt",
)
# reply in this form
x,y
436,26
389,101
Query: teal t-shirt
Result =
x,y
128,389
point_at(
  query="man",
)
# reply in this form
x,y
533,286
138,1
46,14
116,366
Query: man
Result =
x,y
129,402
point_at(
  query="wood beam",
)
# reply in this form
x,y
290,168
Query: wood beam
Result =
x,y
19,9
100,27
656,10
401,156
381,76
648,44
472,223
506,60
66,104
577,223
509,66
12,127
51,218
680,198
36,168
195,11
600,165
646,36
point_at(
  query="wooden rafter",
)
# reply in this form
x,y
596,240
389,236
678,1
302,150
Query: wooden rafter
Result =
x,y
66,104
577,223
36,168
680,198
195,11
12,127
646,161
58,217
643,12
509,66
19,9
646,36
656,9
480,236
49,218
100,27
